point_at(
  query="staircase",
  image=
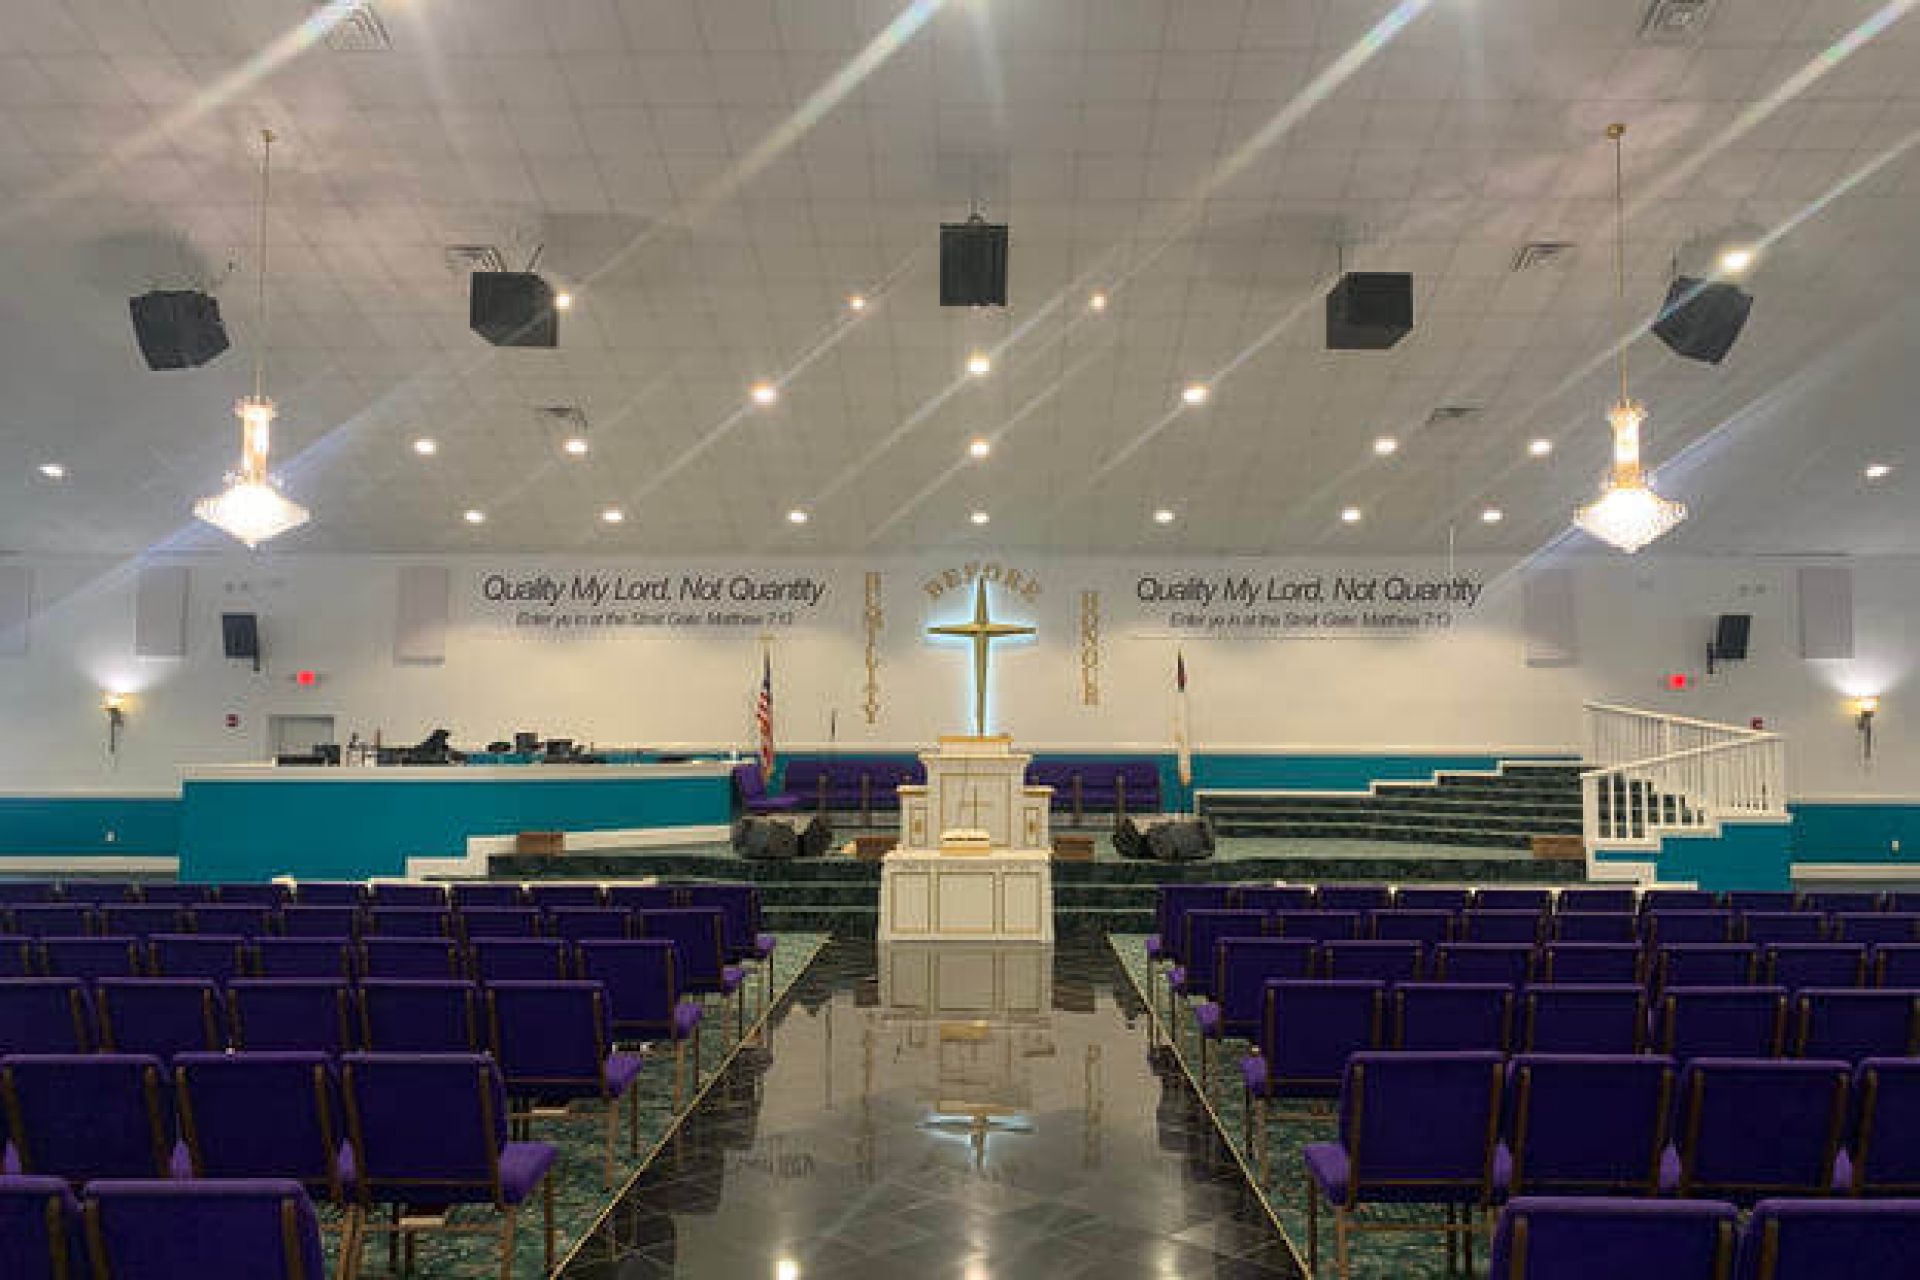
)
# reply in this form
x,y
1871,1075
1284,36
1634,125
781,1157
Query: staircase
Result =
x,y
1485,810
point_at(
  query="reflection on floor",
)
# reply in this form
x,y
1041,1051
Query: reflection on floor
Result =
x,y
959,1110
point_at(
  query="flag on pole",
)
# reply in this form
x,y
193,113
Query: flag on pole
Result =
x,y
763,716
1183,746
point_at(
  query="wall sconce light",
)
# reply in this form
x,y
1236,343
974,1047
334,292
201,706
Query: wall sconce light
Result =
x,y
1863,712
115,705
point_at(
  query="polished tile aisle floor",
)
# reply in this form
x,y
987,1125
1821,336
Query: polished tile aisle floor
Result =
x,y
946,1113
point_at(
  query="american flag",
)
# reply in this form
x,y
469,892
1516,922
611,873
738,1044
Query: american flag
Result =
x,y
763,715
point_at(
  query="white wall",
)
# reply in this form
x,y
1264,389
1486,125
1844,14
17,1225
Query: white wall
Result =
x,y
1465,689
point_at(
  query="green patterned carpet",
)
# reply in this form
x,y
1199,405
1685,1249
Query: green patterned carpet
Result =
x,y
580,1194
1375,1255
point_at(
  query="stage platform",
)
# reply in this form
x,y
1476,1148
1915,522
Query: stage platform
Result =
x,y
1109,894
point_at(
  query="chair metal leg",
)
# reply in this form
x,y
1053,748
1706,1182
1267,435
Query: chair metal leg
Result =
x,y
633,1123
679,1071
1342,1265
509,1220
1313,1227
393,1243
1266,1144
612,1136
696,1057
1447,1235
1466,1213
350,1241
546,1207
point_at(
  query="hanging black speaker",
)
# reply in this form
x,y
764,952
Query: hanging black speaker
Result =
x,y
1369,310
177,328
1701,319
513,309
973,263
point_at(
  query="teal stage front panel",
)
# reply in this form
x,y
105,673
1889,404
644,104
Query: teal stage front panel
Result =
x,y
88,826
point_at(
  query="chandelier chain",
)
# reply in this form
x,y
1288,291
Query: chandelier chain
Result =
x,y
1617,132
260,297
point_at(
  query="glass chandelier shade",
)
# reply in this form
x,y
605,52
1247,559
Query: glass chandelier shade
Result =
x,y
251,508
1628,514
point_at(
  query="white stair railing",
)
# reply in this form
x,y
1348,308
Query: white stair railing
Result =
x,y
1659,775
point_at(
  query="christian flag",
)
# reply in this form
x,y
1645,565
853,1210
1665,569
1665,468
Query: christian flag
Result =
x,y
763,716
1182,743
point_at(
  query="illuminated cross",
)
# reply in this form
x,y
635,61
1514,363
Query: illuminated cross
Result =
x,y
983,631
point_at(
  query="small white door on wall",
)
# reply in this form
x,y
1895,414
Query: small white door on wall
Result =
x,y
299,735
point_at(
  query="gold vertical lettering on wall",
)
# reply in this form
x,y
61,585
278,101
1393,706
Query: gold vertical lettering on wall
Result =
x,y
1090,648
873,619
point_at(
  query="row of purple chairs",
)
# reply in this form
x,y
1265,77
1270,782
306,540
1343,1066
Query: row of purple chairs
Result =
x,y
408,1130
457,894
1595,1238
1468,1130
158,1229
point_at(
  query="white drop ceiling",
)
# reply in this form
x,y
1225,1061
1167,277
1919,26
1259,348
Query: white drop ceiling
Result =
x,y
700,181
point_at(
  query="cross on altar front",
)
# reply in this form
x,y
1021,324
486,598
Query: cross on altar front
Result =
x,y
983,631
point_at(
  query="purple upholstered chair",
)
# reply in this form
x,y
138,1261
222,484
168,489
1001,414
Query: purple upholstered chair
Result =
x,y
1722,1022
1173,902
1767,927
258,894
1307,1032
45,1015
410,957
1384,961
408,896
1583,1018
700,935
190,1230
1242,969
40,1237
19,957
1815,964
1480,925
1200,936
645,897
1411,925
1512,898
420,1016
1252,897
160,1016
1705,964
519,959
1556,1238
103,1115
290,1013
139,919
409,922
552,1044
173,893
1876,926
1510,963
1440,1016
1592,962
1896,964
264,1115
217,957
1419,1128
328,920
575,924
1354,897
468,894
1587,901
304,958
53,919
1431,898
249,920
1830,1240
1853,1024
752,784
431,1129
644,1000
1762,899
1588,1124
1665,927
1751,1128
747,942
1832,900
1885,1155
90,959
330,893
1653,901
1594,926
552,896
499,922
15,892
1320,926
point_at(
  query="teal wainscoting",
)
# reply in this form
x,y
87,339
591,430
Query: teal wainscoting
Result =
x,y
1857,832
80,825
1745,855
326,829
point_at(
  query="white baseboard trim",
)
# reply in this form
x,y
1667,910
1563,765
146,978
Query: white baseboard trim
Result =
x,y
90,864
1855,871
480,848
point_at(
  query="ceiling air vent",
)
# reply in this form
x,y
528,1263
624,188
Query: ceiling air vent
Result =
x,y
1671,21
465,259
1450,413
563,417
356,27
1542,253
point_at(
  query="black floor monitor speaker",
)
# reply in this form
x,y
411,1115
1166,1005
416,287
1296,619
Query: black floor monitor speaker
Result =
x,y
1169,839
1369,310
973,264
177,328
778,839
513,309
1701,319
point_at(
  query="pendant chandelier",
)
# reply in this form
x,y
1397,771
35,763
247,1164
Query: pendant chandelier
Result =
x,y
1628,514
251,508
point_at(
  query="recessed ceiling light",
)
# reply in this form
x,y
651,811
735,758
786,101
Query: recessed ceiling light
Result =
x,y
613,515
1737,258
856,302
576,446
796,516
475,517
1195,393
1386,446
563,301
1874,471
1350,515
1098,302
1539,448
53,470
979,364
764,393
426,446
1492,515
1163,516
979,517
979,448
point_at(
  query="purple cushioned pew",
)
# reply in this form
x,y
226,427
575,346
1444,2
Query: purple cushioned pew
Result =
x,y
193,1230
1572,1238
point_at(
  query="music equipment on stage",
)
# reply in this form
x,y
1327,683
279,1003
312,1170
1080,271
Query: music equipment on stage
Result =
x,y
1701,319
1369,310
973,263
1164,839
240,637
513,309
177,328
778,839
1729,642
526,743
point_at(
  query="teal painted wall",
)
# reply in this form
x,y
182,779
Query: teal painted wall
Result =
x,y
1857,833
236,831
123,826
1745,855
